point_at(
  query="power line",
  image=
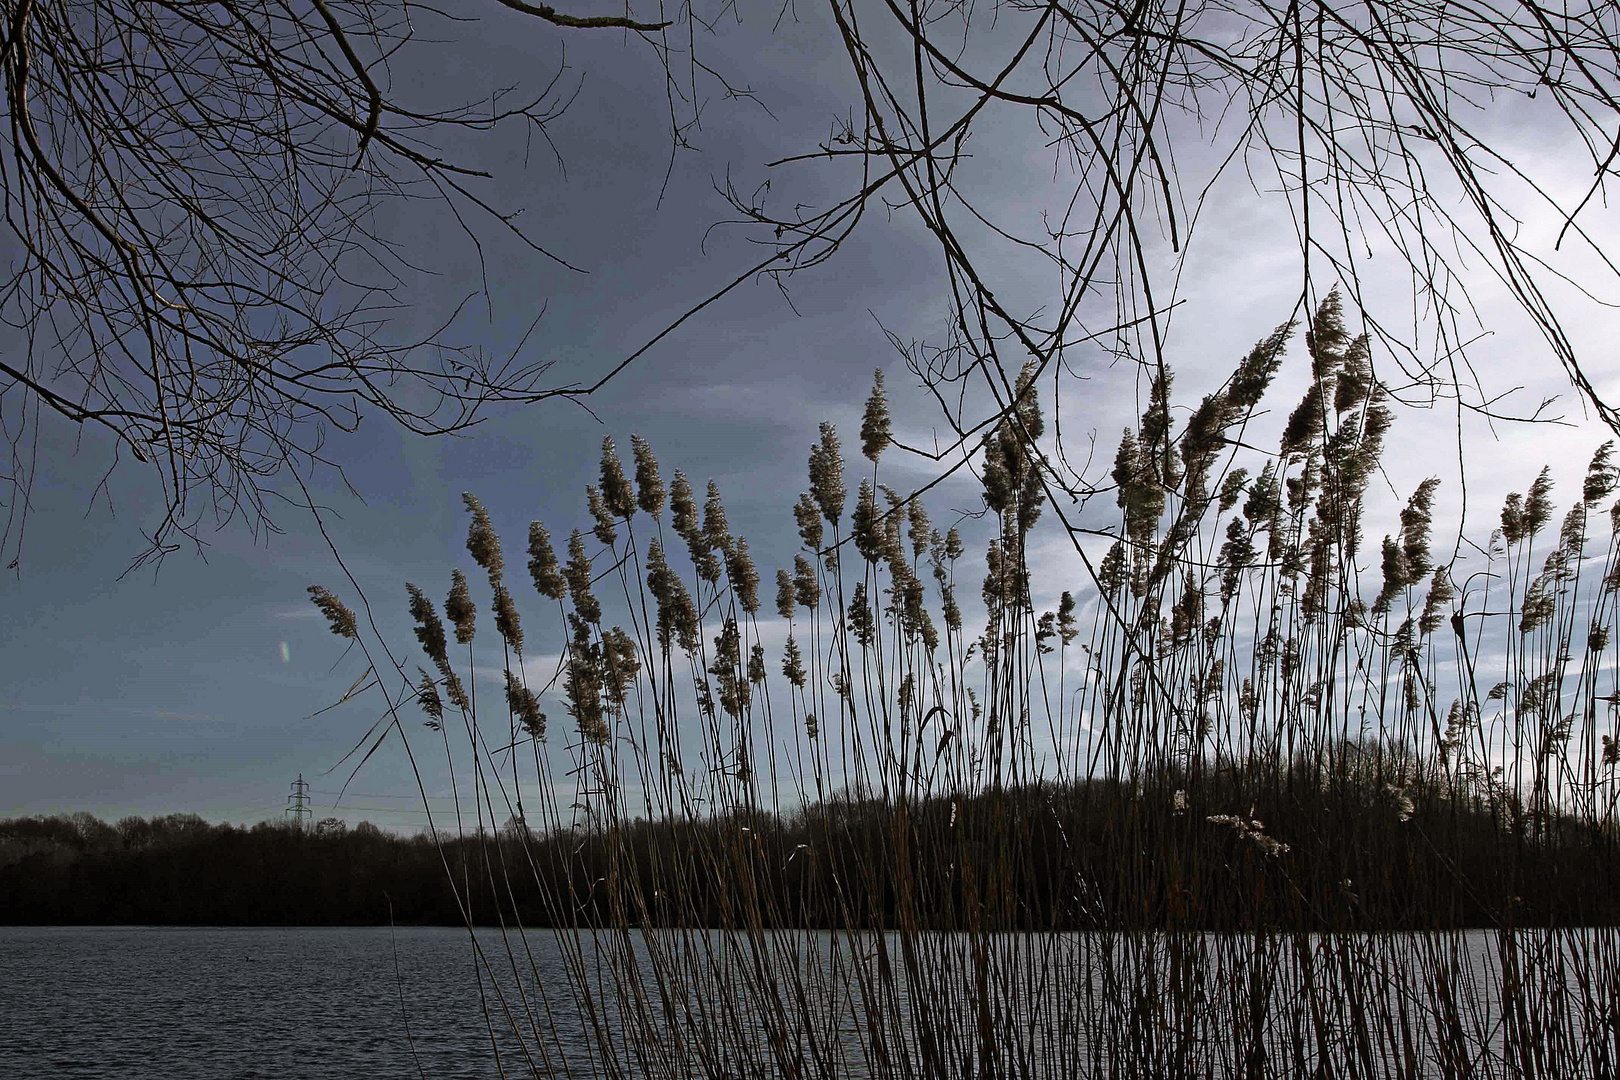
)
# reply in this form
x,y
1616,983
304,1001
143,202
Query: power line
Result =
x,y
372,795
376,809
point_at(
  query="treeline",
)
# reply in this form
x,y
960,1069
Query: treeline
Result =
x,y
1228,849
182,870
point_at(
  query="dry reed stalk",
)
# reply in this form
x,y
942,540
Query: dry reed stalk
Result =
x,y
1238,813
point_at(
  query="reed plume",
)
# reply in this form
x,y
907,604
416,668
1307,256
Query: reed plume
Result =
x,y
1250,802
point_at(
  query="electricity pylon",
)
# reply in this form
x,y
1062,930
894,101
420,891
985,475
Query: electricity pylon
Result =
x,y
298,803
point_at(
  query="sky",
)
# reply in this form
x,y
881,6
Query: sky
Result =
x,y
200,688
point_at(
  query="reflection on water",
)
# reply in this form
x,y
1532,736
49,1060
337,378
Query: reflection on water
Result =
x,y
370,1002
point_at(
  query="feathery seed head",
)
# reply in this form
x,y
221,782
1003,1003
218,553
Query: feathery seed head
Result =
x,y
1396,575
1538,504
734,691
784,594
684,516
1415,522
677,617
860,616
936,555
1513,518
1232,488
1265,496
1404,807
525,706
894,548
744,577
339,617
1203,437
997,477
1236,554
864,524
1046,630
1355,376
1030,497
1302,488
716,530
918,528
454,690
619,666
683,507
1111,571
1325,340
548,580
429,630
1154,430
1572,537
616,489
709,566
728,645
925,626
578,575
1440,594
482,541
1305,422
827,475
805,586
1030,420
582,686
427,696
685,619
506,619
875,423
1188,611
950,610
793,664
1068,626
996,586
1252,377
659,580
649,486
1140,495
458,606
1252,830
1601,475
809,520
1378,419
604,527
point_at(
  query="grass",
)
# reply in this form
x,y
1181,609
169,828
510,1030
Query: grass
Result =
x,y
1167,828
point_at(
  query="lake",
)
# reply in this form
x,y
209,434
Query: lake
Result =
x,y
316,1003
336,1003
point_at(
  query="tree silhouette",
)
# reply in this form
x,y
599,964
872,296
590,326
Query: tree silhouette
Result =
x,y
193,191
193,194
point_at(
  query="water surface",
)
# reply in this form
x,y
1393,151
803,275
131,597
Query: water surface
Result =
x,y
317,1003
341,1003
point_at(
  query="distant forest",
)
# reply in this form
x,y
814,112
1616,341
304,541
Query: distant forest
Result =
x,y
1341,856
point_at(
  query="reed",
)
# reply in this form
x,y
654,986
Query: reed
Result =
x,y
1266,797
